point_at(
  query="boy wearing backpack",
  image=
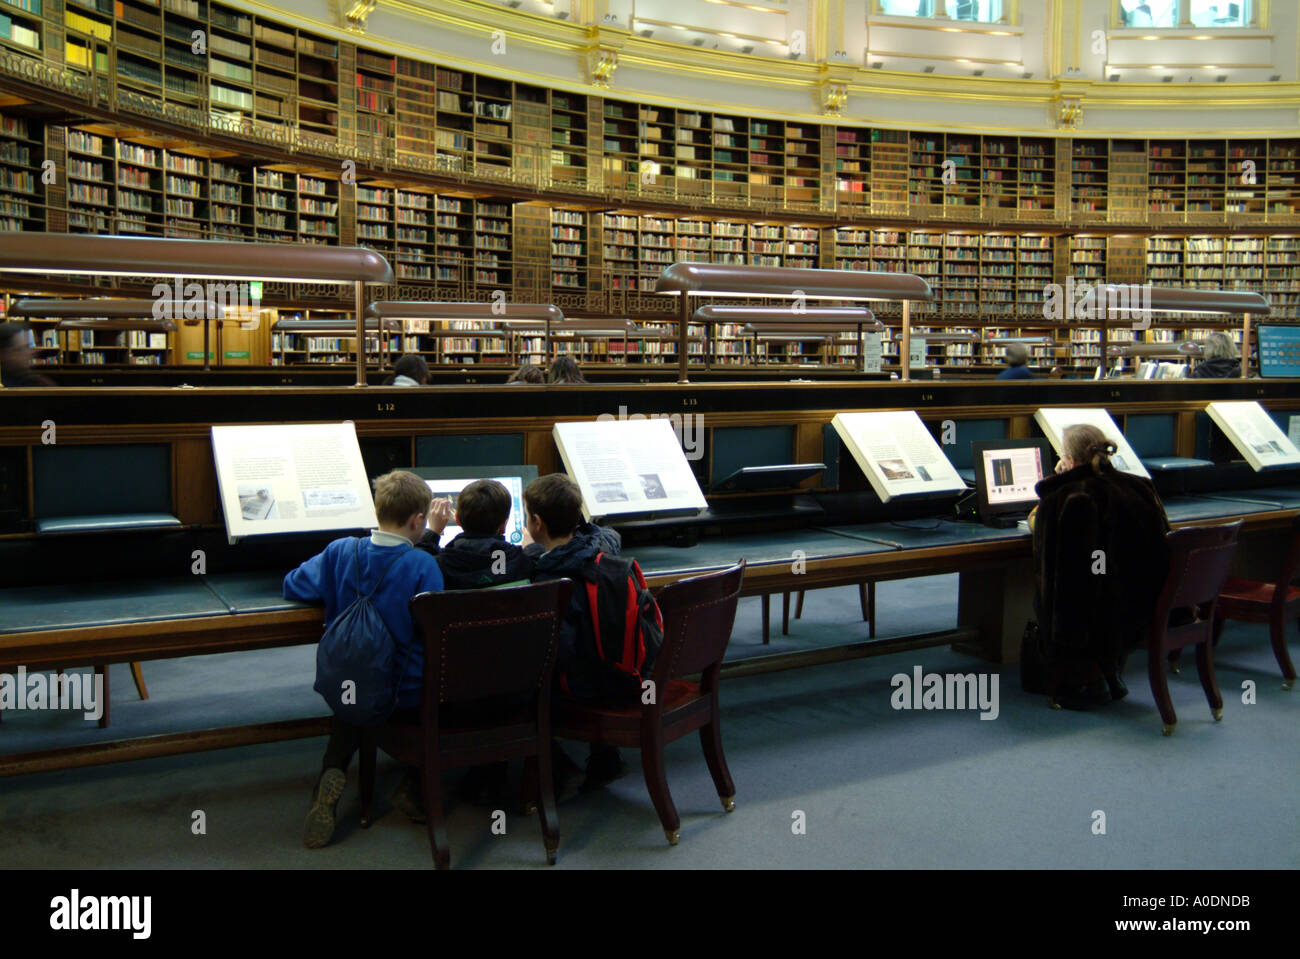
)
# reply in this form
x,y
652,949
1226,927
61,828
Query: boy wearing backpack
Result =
x,y
612,633
386,568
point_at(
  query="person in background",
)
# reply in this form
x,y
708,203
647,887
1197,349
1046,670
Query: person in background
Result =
x,y
409,370
1100,561
16,354
564,369
1017,363
405,509
553,517
1219,359
527,374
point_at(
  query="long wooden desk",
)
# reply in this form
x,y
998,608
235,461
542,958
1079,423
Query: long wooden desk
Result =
x,y
111,596
118,622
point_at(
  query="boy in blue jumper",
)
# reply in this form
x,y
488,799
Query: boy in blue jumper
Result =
x,y
405,508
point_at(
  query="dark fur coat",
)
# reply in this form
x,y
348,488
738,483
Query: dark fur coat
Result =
x,y
1087,522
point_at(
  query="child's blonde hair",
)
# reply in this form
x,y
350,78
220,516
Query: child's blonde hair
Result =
x,y
399,495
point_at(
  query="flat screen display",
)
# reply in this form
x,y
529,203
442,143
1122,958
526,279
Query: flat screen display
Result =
x,y
449,488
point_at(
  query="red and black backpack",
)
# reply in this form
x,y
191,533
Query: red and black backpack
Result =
x,y
627,628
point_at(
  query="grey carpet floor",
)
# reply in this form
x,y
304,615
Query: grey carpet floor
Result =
x,y
874,787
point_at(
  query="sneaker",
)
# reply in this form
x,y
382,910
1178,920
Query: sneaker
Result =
x,y
324,808
408,798
604,765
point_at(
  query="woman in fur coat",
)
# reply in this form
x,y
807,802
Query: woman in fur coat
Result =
x,y
1101,559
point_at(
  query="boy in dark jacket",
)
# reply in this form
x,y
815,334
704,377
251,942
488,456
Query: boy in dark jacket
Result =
x,y
553,515
480,555
404,507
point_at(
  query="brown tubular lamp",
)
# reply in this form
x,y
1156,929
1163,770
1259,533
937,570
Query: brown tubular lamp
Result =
x,y
541,314
1175,300
686,280
771,320
95,255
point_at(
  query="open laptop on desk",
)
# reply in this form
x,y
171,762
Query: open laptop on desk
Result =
x,y
1006,472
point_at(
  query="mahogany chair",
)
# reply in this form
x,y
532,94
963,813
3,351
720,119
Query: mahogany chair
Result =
x,y
489,655
1274,603
866,600
1199,560
698,616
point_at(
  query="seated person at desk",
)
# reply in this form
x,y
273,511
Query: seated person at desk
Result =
x,y
553,516
527,374
564,369
1017,363
16,357
480,555
1090,616
409,370
396,571
1219,359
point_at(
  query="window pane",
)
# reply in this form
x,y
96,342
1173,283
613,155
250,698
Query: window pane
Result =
x,y
983,11
907,8
1217,13
1149,13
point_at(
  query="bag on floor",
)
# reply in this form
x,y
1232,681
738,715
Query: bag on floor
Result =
x,y
356,662
627,628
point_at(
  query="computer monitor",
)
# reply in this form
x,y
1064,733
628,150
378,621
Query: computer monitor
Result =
x,y
1006,472
446,482
1279,350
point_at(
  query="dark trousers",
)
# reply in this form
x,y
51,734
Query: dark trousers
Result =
x,y
345,739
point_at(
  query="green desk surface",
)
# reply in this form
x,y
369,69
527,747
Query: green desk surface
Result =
x,y
1186,509
27,608
1286,497
257,592
921,534
757,549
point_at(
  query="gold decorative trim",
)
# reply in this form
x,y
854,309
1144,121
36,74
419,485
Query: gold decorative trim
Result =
x,y
546,33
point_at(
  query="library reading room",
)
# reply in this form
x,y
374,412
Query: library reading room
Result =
x,y
419,420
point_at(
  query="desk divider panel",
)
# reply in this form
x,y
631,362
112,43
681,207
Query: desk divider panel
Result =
x,y
13,488
486,449
101,480
1152,435
734,447
383,454
967,432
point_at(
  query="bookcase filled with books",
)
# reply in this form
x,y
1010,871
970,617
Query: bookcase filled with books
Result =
x,y
21,26
22,196
569,143
262,73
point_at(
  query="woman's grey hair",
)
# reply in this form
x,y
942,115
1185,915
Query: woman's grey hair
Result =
x,y
1219,346
1017,354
